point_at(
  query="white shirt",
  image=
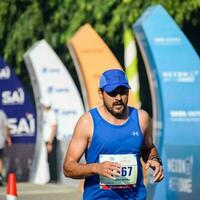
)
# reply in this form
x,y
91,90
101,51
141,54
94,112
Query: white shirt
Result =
x,y
3,125
49,120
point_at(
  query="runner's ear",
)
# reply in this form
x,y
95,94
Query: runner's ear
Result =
x,y
100,92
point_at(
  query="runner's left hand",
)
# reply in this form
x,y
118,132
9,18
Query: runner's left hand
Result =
x,y
157,168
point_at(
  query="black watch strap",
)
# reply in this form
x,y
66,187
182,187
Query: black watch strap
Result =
x,y
157,159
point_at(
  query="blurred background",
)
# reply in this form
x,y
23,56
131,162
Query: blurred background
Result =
x,y
71,43
25,22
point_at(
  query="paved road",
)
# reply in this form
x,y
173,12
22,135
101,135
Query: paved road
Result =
x,y
28,191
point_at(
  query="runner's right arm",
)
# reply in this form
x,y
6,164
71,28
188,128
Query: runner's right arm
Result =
x,y
77,146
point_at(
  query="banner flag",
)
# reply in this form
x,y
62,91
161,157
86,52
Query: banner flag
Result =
x,y
173,69
51,80
21,114
131,64
92,57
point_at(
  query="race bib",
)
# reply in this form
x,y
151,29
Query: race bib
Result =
x,y
128,174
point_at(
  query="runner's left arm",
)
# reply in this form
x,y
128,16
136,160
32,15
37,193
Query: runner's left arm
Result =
x,y
149,151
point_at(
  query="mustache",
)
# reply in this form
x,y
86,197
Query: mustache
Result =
x,y
116,103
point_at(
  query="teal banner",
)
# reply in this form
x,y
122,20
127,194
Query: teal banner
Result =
x,y
173,69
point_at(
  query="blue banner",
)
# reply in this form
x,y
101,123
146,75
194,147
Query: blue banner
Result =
x,y
17,105
173,69
183,171
21,121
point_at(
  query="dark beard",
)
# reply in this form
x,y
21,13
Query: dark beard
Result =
x,y
120,115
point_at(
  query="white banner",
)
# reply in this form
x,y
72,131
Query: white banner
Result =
x,y
51,80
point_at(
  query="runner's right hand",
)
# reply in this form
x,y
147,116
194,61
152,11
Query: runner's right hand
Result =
x,y
108,169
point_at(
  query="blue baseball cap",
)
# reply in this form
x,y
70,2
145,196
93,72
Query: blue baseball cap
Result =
x,y
113,78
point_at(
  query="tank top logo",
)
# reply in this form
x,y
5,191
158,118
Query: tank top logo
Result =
x,y
135,133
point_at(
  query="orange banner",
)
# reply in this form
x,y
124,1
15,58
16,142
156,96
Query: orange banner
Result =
x,y
92,57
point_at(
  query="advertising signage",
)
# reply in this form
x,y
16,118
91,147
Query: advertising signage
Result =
x,y
173,69
17,106
91,57
51,80
21,114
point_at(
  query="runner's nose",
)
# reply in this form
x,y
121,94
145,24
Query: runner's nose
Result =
x,y
118,97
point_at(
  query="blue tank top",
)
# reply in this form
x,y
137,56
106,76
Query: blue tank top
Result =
x,y
114,139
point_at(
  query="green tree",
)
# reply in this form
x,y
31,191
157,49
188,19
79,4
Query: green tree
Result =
x,y
23,22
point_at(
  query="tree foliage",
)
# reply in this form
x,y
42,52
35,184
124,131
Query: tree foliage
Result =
x,y
23,22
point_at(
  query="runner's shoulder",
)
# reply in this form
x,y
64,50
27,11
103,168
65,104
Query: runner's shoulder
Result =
x,y
144,119
143,115
85,122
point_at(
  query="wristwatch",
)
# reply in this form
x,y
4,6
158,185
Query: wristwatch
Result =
x,y
158,160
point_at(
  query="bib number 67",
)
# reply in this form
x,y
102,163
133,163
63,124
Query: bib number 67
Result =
x,y
126,171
